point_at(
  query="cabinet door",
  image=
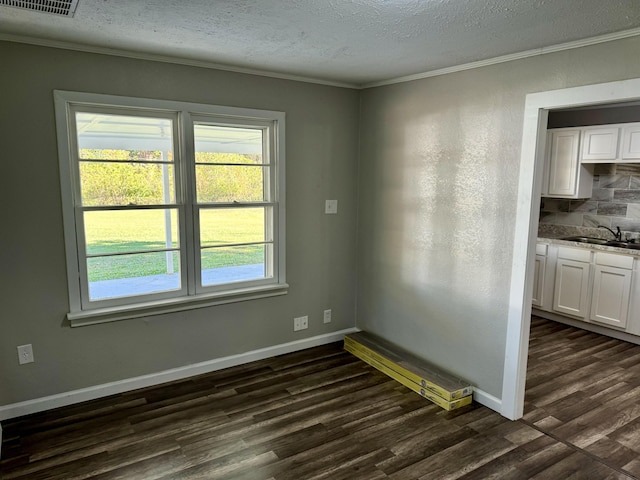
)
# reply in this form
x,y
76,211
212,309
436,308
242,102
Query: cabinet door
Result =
x,y
611,294
538,280
571,288
563,162
564,175
600,144
631,142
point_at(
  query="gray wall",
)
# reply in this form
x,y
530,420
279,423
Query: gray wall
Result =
x,y
436,181
322,148
439,165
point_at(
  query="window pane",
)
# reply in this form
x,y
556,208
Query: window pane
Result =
x,y
109,184
224,183
233,225
215,144
124,137
136,274
234,264
108,232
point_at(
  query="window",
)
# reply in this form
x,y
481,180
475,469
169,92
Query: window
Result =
x,y
168,205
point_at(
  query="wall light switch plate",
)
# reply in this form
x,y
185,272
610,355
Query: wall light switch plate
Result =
x,y
331,206
25,354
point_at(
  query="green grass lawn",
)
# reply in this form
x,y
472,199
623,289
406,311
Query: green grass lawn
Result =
x,y
144,230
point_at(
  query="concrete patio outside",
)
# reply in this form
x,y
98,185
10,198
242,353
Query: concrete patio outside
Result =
x,y
165,282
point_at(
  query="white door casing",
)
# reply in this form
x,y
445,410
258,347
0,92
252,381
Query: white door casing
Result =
x,y
537,106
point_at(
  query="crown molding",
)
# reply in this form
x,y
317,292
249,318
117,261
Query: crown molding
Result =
x,y
43,42
297,78
508,58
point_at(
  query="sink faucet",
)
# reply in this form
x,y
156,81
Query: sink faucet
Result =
x,y
617,234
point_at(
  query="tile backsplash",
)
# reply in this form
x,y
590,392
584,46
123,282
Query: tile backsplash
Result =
x,y
615,202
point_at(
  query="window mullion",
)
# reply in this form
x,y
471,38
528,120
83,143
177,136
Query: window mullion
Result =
x,y
188,198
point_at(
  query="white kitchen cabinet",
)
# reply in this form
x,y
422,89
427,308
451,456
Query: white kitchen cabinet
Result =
x,y
597,287
539,270
544,276
633,316
571,293
611,289
631,142
565,176
600,144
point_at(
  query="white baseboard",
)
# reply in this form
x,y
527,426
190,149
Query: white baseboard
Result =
x,y
489,401
91,393
591,327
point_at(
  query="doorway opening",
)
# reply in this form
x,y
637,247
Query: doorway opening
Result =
x,y
537,108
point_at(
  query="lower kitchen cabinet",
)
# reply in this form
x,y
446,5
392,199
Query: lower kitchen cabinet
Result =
x,y
572,282
611,290
596,287
539,270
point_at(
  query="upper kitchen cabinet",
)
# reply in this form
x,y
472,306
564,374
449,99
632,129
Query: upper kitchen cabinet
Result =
x,y
565,176
631,142
610,143
600,144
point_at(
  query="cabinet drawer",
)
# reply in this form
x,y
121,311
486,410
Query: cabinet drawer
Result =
x,y
613,260
541,249
576,254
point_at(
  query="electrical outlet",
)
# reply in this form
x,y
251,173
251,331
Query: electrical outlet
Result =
x,y
327,316
300,323
25,354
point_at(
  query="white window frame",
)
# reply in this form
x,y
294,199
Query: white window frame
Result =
x,y
192,293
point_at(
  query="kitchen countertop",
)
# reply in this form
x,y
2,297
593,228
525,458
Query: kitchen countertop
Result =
x,y
591,246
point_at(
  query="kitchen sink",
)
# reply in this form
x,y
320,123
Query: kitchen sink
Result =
x,y
602,241
632,246
592,240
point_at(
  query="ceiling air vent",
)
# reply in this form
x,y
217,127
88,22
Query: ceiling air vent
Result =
x,y
66,8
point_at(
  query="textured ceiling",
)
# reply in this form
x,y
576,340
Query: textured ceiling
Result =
x,y
353,42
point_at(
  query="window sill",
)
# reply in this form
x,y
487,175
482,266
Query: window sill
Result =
x,y
114,314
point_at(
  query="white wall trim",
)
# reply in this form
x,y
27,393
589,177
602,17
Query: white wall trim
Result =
x,y
591,327
486,399
78,47
298,78
112,388
508,58
537,106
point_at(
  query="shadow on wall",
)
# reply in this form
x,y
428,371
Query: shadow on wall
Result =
x,y
439,239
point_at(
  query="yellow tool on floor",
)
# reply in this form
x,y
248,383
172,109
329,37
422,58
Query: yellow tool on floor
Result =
x,y
432,383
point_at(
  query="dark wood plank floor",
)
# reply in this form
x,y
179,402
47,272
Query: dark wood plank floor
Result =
x,y
584,390
324,414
